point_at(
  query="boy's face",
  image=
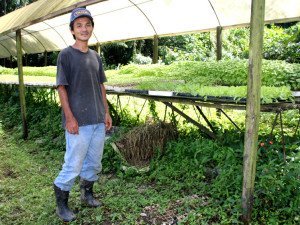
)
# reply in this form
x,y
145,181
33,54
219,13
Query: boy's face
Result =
x,y
83,29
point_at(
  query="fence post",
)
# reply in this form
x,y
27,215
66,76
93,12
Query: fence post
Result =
x,y
253,106
219,43
21,84
155,49
98,48
45,58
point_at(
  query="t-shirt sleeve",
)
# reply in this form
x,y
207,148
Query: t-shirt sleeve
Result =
x,y
61,74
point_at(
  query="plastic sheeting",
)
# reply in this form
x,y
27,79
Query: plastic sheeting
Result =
x,y
120,20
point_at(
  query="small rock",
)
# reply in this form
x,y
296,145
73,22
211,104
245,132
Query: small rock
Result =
x,y
39,141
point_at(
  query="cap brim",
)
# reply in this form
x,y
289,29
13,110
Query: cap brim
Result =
x,y
88,16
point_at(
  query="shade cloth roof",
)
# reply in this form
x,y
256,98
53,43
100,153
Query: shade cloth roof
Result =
x,y
45,24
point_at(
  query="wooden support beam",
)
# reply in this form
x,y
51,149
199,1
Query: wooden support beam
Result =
x,y
98,48
134,50
219,43
116,119
282,138
45,58
219,56
296,129
253,106
272,107
26,60
203,128
206,120
274,123
138,116
21,84
230,119
120,106
155,49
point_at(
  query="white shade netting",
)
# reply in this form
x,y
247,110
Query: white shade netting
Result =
x,y
121,20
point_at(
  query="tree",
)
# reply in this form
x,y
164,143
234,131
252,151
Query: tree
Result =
x,y
7,6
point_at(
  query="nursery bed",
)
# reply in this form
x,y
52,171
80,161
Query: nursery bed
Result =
x,y
168,97
223,102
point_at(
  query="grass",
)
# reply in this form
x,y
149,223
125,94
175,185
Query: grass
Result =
x,y
26,186
39,79
25,180
48,71
179,183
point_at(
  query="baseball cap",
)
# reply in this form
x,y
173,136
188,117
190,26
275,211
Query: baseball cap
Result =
x,y
80,12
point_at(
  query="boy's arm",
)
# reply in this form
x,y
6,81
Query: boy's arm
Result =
x,y
108,120
71,122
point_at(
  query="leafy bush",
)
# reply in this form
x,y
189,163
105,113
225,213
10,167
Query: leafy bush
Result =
x,y
282,44
215,171
140,59
43,115
279,44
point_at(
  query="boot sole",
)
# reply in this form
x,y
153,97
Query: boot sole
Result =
x,y
66,222
88,205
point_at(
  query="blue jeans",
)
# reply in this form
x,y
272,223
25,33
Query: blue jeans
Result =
x,y
83,156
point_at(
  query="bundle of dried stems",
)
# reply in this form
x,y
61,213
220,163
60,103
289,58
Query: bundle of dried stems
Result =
x,y
140,144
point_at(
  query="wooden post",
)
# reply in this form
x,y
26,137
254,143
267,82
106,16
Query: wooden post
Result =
x,y
155,49
253,106
219,43
98,48
21,84
25,60
219,57
46,56
134,50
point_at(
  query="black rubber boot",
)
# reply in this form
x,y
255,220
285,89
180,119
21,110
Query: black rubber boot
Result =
x,y
86,193
62,209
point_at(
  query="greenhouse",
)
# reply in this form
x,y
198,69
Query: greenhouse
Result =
x,y
43,27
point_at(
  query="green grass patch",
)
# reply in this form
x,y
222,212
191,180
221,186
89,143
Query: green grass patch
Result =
x,y
48,71
37,79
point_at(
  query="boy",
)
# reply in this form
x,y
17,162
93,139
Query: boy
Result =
x,y
85,115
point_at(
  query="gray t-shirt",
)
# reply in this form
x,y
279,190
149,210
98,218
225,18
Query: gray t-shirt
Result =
x,y
82,73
